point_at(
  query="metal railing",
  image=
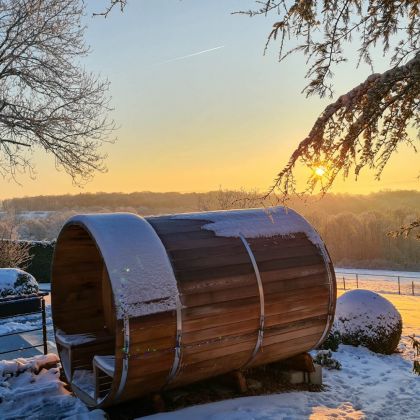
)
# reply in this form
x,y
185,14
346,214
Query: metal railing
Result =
x,y
385,283
12,307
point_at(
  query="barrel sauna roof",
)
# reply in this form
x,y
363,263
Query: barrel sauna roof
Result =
x,y
136,259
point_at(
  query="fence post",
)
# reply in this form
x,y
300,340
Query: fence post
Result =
x,y
44,326
344,283
399,285
357,281
412,286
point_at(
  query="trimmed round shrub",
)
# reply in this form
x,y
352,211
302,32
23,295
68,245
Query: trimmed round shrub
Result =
x,y
15,282
367,319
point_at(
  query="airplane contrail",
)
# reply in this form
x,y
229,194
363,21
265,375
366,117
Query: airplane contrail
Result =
x,y
192,55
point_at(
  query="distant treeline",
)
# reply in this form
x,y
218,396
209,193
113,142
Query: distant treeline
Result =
x,y
142,202
354,227
360,239
152,202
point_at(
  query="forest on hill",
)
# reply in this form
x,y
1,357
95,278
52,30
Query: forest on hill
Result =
x,y
354,227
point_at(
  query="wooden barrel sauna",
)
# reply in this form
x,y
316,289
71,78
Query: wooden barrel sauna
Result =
x,y
145,304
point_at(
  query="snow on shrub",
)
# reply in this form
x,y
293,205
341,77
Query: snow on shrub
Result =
x,y
15,282
325,358
332,341
365,318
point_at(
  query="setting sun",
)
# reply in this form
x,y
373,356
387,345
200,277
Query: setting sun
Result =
x,y
320,171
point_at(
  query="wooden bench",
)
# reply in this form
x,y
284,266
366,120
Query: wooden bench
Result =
x,y
78,350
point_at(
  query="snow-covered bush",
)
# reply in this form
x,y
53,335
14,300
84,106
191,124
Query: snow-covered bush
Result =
x,y
365,318
324,358
15,282
332,341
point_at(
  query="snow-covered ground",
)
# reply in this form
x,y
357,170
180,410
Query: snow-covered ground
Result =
x,y
369,386
378,273
31,388
381,281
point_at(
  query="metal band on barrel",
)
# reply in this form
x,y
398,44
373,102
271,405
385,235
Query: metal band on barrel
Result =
x,y
262,304
126,354
177,360
331,291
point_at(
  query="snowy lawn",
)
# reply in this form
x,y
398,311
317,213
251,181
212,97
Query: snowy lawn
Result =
x,y
369,386
380,281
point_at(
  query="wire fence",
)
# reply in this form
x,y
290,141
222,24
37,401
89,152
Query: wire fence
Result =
x,y
383,283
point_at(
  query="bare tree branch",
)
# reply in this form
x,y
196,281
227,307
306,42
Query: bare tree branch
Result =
x,y
113,3
47,100
13,253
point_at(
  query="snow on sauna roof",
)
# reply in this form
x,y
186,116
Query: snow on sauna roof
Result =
x,y
136,260
254,223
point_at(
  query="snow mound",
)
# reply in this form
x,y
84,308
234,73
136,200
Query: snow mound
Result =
x,y
31,388
365,318
15,282
33,364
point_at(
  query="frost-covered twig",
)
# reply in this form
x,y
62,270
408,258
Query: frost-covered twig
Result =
x,y
406,230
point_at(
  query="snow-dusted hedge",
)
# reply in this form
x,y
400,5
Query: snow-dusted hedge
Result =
x,y
40,265
15,282
365,318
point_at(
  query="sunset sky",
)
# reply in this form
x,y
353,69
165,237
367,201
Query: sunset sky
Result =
x,y
198,105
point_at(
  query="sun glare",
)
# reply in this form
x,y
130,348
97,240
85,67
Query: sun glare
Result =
x,y
320,171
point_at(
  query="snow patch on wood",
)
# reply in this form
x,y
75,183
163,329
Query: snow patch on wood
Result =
x,y
73,339
255,223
